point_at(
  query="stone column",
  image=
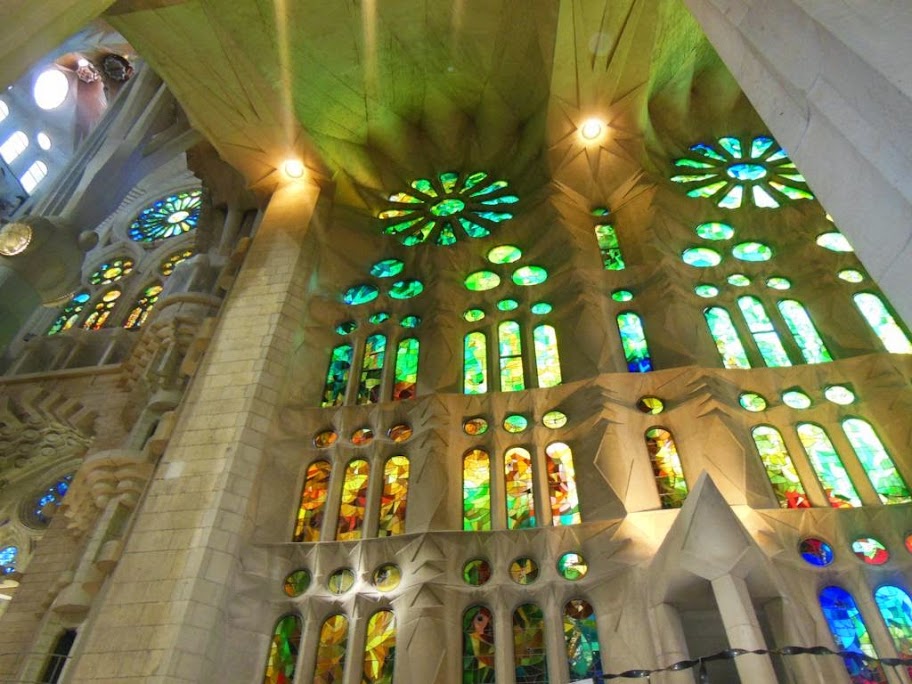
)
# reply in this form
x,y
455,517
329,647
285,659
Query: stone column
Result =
x,y
672,646
742,629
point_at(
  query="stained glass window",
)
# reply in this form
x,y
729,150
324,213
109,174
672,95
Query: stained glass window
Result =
x,y
529,275
406,382
633,339
325,439
475,426
478,646
572,566
806,336
851,634
380,648
386,577
372,369
111,271
850,275
751,401
512,378
515,423
406,289
779,467
666,466
610,248
476,491
764,333
360,294
331,650
581,637
479,281
752,251
882,323
169,263
554,420
378,318
815,552
870,550
283,651
402,432
830,471
547,359
313,501
143,307
476,572
354,500
896,610
875,459
52,495
796,399
475,373
340,581
701,257
726,338
8,557
362,437
395,496
504,254
520,499
337,375
541,308
170,216
565,509
738,280
834,241
530,661
715,231
524,571
296,583
98,317
387,268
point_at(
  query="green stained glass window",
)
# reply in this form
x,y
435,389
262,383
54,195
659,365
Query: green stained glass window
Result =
x,y
530,661
752,251
372,369
360,294
475,426
507,305
715,231
346,327
481,281
509,345
701,257
875,459
515,423
565,508
633,340
379,649
554,420
337,375
529,275
828,466
839,394
796,399
476,572
850,275
541,308
518,477
354,500
111,271
835,242
802,328
726,338
168,217
851,635
476,491
622,295
142,307
752,401
378,318
406,289
764,333
473,315
504,254
706,290
572,566
581,638
387,268
70,313
895,608
406,384
609,247
666,466
778,283
313,502
331,650
475,368
738,280
547,359
882,323
296,583
478,646
394,497
410,321
779,467
283,651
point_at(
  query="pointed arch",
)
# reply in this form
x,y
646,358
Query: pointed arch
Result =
x,y
143,306
380,648
850,634
354,500
313,502
530,658
331,650
282,660
476,491
395,496
584,657
98,318
779,467
70,313
478,646
666,466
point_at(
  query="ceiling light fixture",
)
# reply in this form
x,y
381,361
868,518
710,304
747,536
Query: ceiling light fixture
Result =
x,y
294,168
592,129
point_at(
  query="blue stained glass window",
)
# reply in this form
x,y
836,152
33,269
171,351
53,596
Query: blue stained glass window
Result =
x,y
8,557
53,495
895,607
633,339
851,634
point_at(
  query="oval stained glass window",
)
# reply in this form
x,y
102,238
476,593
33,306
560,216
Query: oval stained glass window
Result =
x,y
908,542
839,394
870,551
406,289
530,275
850,275
296,583
622,295
796,399
751,401
507,304
411,321
481,281
778,283
325,439
752,251
706,290
346,327
835,242
541,308
554,420
515,423
362,436
473,315
715,231
378,317
701,257
505,254
475,426
400,433
650,405
572,566
387,577
738,280
360,294
341,581
476,572
816,551
387,268
524,571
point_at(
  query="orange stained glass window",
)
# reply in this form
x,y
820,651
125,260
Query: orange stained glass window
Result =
x,y
99,316
354,500
143,307
395,495
313,502
331,650
666,466
380,649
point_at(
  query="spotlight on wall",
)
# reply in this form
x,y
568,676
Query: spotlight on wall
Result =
x,y
294,168
592,129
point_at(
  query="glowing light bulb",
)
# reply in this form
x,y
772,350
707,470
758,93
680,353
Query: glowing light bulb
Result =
x,y
592,129
294,168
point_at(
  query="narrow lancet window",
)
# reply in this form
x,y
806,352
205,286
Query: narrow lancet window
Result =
x,y
520,497
337,376
143,307
478,646
372,369
779,467
581,637
666,466
633,339
610,248
802,328
875,459
850,634
70,313
882,323
530,660
313,502
895,607
547,360
102,311
476,491
331,651
764,333
406,369
475,373
512,378
354,500
830,471
565,509
283,651
380,649
726,338
395,496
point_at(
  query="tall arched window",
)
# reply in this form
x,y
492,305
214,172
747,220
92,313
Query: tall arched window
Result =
x,y
331,650
102,311
876,461
476,491
475,370
779,467
666,466
372,369
726,338
57,660
13,146
530,659
765,335
829,468
70,313
143,307
395,496
520,497
313,502
850,634
337,376
802,328
283,651
895,607
512,378
882,323
406,381
380,649
477,646
8,557
547,359
581,637
354,500
565,508
33,175
610,248
633,340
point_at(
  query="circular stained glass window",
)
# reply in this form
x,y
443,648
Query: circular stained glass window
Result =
x,y
507,304
524,571
701,257
572,566
387,577
473,315
111,271
346,327
706,290
554,420
622,295
651,405
835,242
481,281
541,308
406,289
360,294
400,433
839,394
505,254
325,439
738,280
816,551
850,275
778,283
475,426
387,268
530,275
870,550
476,572
378,317
752,401
752,251
296,583
170,216
515,423
715,231
362,436
796,399
411,321
341,581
